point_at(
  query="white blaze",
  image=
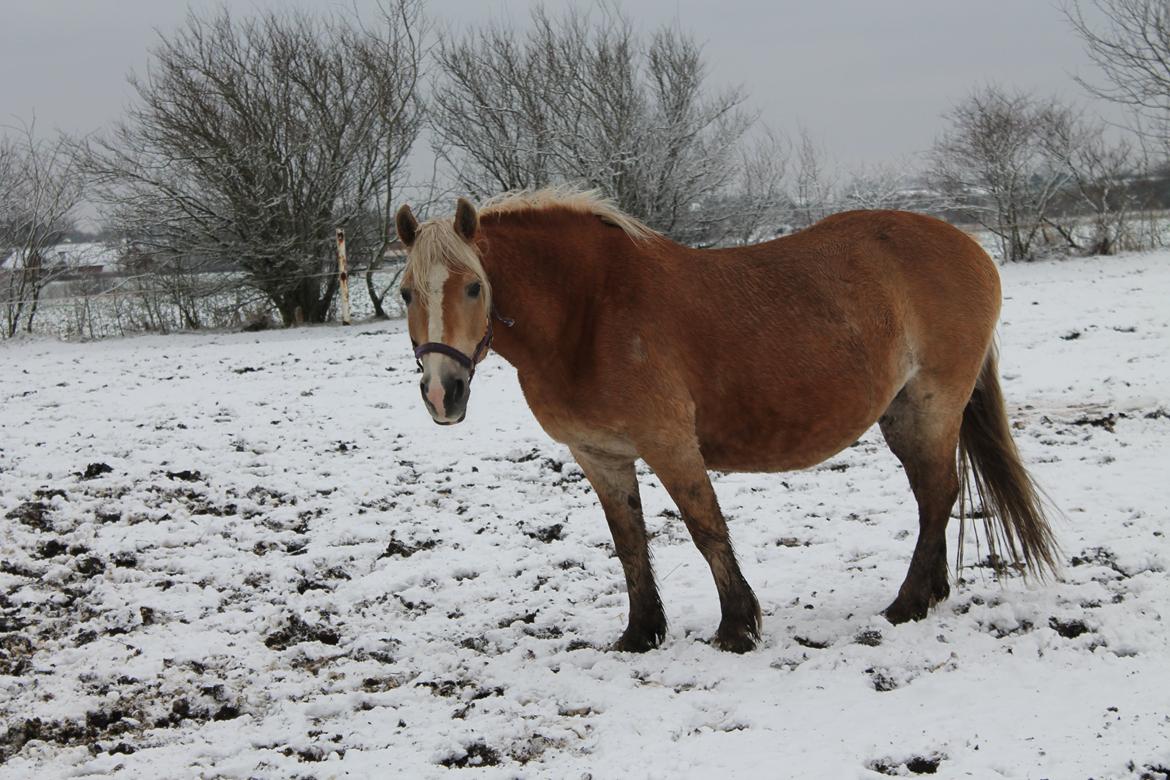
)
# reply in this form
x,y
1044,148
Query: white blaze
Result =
x,y
436,278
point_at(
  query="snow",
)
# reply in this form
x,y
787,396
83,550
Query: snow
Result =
x,y
289,570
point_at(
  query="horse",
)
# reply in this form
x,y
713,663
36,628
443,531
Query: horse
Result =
x,y
763,358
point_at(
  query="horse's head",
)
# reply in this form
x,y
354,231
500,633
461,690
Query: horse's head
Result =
x,y
448,306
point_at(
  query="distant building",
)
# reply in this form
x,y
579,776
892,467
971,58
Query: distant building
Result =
x,y
87,258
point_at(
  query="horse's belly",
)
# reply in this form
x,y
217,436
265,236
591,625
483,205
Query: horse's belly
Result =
x,y
790,434
769,450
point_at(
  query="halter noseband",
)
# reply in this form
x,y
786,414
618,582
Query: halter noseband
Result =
x,y
467,361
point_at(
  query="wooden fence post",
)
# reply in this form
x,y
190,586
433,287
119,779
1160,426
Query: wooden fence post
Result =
x,y
343,277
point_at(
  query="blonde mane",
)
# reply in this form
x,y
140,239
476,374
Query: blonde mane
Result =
x,y
571,198
437,243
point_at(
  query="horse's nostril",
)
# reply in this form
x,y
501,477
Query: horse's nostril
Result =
x,y
456,393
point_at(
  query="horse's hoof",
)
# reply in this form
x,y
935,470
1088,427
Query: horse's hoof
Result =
x,y
741,641
903,611
906,608
638,641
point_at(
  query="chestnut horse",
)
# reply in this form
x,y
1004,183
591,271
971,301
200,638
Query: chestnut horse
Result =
x,y
757,358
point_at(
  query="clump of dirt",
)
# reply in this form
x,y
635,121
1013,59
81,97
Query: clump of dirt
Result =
x,y
15,650
916,765
548,534
870,637
1107,421
51,548
446,688
98,725
91,566
397,547
1069,629
1100,556
814,644
94,470
1151,771
186,475
1097,555
475,754
34,514
297,631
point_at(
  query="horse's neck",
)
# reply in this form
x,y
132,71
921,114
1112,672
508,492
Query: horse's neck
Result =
x,y
541,290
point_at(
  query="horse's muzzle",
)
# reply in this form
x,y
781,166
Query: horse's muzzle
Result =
x,y
445,395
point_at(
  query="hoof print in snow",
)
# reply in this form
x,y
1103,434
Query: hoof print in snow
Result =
x,y
870,637
94,470
475,754
917,765
297,631
882,680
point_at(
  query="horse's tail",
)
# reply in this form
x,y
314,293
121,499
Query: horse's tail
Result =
x,y
1013,512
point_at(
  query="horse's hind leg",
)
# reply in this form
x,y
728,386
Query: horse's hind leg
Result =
x,y
921,427
684,475
616,483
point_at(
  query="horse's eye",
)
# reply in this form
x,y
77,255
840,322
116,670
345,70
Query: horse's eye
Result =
x,y
405,296
474,289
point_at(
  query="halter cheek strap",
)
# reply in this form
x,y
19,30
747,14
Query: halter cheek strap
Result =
x,y
462,358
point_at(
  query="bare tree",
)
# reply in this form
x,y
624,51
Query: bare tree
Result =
x,y
40,188
396,45
251,141
994,159
591,102
758,202
1132,49
1101,176
814,185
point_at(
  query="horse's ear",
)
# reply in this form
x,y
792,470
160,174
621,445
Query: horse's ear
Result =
x,y
466,219
406,225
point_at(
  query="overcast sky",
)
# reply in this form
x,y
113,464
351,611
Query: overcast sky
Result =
x,y
869,78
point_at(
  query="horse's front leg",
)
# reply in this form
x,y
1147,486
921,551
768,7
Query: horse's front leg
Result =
x,y
684,475
616,483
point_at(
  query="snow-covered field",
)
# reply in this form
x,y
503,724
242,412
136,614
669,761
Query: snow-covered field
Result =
x,y
254,555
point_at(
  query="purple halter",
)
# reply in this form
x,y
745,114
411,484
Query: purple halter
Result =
x,y
467,361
